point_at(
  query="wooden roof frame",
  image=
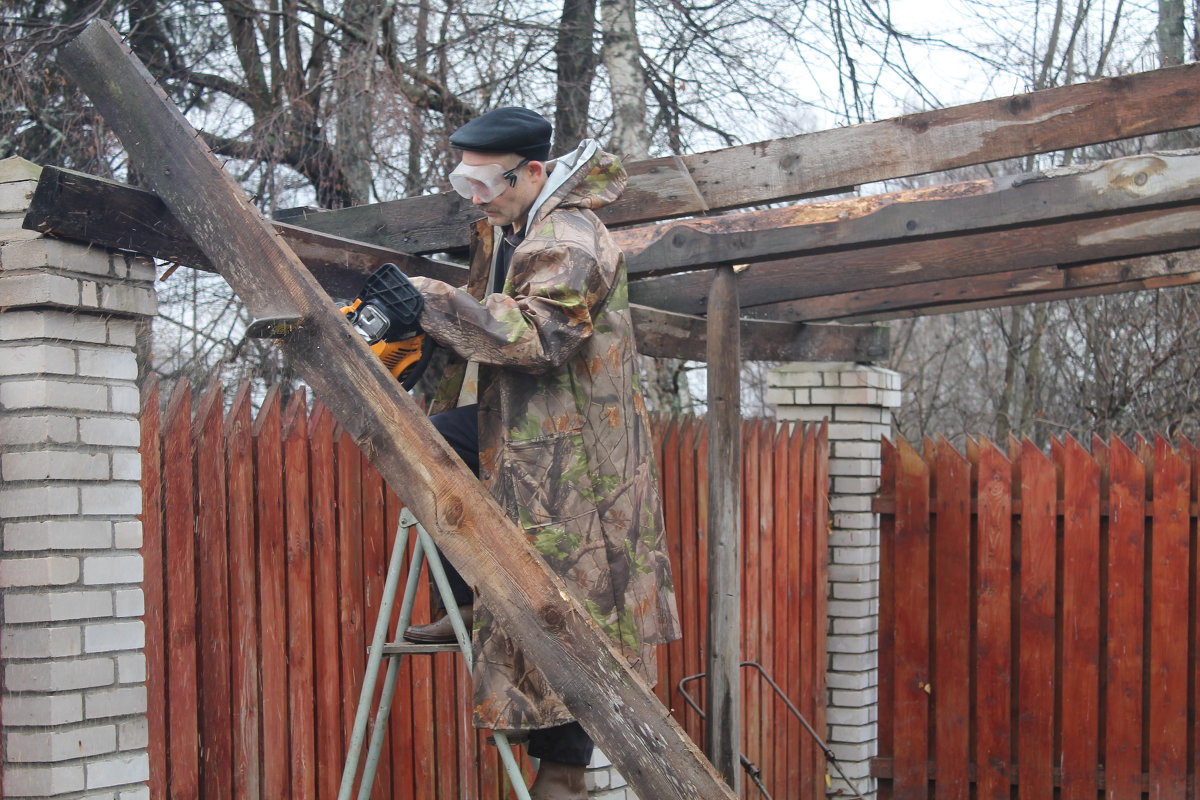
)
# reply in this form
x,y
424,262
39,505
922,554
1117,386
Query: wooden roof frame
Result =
x,y
1117,225
1123,225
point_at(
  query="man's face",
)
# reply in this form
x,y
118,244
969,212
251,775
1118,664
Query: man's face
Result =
x,y
512,203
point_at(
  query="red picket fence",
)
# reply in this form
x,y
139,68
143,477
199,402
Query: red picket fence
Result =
x,y
266,540
1038,622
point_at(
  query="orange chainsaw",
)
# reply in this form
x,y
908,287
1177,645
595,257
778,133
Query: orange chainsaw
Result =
x,y
387,316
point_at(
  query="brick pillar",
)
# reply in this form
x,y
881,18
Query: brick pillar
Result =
x,y
857,400
71,651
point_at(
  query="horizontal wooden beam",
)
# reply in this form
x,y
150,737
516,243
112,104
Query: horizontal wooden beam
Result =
x,y
906,268
1019,287
667,335
1119,185
828,161
527,598
75,205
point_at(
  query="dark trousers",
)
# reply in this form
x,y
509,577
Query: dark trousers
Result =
x,y
565,744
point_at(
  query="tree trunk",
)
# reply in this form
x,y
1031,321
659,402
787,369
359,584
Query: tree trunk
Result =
x,y
622,59
355,88
576,64
1170,32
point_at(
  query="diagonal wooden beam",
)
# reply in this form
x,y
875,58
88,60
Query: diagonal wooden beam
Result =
x,y
829,161
528,599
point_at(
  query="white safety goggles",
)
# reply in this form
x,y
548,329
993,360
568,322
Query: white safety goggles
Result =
x,y
485,181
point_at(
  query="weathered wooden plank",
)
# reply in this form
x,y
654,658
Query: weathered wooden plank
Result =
x,y
722,730
1080,623
752,620
828,161
226,701
75,205
1104,238
1109,187
301,689
820,579
1124,651
1166,706
886,731
153,585
272,593
236,553
328,684
183,714
952,581
1035,614
524,594
668,335
993,643
911,619
1038,284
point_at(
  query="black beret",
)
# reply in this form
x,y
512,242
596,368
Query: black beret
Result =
x,y
506,130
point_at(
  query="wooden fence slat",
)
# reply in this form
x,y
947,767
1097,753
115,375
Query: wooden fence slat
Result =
x,y
911,644
688,584
1169,599
886,728
820,580
951,585
700,608
751,689
423,719
1036,624
1125,567
301,687
183,719
1080,624
350,575
326,641
799,609
780,621
222,734
766,592
1193,456
373,536
993,670
153,586
272,594
668,466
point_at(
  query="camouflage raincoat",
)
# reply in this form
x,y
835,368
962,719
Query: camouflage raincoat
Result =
x,y
564,444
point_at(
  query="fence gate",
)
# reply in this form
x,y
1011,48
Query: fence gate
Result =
x,y
266,537
1039,620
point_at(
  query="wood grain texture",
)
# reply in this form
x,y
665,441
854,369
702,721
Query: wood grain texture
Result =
x,y
951,636
723,693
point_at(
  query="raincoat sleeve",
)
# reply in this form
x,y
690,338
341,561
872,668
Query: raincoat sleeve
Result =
x,y
537,324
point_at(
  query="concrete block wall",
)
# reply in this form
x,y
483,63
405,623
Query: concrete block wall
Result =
x,y
71,634
858,401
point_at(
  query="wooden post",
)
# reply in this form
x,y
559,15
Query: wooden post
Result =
x,y
525,595
723,726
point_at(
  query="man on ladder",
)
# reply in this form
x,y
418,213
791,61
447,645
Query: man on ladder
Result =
x,y
542,401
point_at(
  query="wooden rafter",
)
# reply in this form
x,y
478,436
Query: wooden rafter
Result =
x,y
828,161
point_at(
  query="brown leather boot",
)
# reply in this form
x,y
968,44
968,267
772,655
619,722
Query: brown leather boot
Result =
x,y
557,781
440,631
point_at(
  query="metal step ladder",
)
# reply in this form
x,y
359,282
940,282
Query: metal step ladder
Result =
x,y
381,649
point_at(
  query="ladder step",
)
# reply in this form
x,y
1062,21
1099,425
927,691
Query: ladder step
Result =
x,y
406,649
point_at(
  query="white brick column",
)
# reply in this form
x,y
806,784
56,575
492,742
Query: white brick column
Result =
x,y
857,400
71,650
